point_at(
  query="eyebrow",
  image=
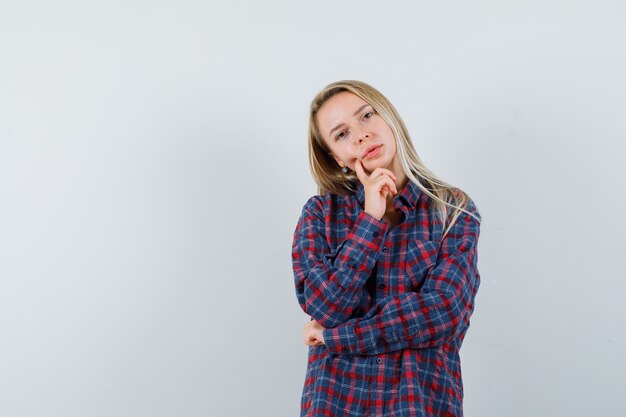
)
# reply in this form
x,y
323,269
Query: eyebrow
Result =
x,y
341,124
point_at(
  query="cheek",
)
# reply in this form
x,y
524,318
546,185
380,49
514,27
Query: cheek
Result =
x,y
388,130
392,145
345,155
352,163
392,140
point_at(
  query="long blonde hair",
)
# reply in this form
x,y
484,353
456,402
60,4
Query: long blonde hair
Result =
x,y
330,178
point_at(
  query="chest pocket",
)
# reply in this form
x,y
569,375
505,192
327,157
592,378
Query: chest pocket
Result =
x,y
419,258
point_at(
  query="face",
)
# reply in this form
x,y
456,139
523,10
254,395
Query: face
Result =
x,y
352,130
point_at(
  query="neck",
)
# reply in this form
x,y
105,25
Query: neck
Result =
x,y
397,170
402,180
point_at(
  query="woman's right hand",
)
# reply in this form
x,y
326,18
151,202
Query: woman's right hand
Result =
x,y
378,185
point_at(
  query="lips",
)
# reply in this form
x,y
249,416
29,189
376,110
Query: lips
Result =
x,y
371,149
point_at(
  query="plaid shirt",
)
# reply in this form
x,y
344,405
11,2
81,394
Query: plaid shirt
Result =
x,y
395,305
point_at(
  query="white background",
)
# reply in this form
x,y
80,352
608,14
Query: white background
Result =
x,y
153,167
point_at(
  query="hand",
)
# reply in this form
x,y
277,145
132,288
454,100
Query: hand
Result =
x,y
378,185
313,333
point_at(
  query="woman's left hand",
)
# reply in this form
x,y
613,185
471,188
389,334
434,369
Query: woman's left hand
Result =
x,y
313,333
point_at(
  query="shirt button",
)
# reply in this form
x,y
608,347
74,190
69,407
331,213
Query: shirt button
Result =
x,y
381,286
385,249
379,360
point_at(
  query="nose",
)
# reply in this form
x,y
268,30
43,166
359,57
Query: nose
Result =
x,y
361,134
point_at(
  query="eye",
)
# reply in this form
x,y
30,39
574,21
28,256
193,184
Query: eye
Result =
x,y
368,115
340,135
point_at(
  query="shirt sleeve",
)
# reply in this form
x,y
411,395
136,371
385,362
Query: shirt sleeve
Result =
x,y
329,284
432,316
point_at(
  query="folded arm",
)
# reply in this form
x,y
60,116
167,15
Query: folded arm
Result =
x,y
432,316
329,285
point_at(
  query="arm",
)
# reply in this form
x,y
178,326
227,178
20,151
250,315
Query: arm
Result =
x,y
432,316
329,286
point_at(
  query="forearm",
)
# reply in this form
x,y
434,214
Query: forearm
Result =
x,y
329,286
434,315
405,321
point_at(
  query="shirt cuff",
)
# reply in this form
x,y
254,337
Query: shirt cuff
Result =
x,y
368,231
360,249
340,339
352,338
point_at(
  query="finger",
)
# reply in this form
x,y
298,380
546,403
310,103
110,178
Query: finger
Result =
x,y
313,342
393,189
384,182
379,170
360,172
387,184
387,189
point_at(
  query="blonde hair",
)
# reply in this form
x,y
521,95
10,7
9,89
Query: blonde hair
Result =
x,y
330,178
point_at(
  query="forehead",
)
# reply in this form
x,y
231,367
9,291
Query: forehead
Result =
x,y
338,109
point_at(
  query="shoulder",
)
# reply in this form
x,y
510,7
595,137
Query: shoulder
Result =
x,y
463,219
320,204
314,206
461,199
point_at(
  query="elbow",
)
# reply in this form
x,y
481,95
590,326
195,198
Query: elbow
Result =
x,y
458,325
450,322
456,306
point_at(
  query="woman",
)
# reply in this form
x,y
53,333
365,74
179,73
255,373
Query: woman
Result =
x,y
384,262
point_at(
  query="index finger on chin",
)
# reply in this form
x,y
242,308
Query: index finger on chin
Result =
x,y
360,172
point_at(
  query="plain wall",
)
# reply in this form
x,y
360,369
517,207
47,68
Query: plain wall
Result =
x,y
153,167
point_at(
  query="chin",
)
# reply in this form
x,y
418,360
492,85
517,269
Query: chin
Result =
x,y
379,163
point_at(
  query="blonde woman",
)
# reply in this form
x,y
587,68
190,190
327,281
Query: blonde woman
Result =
x,y
385,263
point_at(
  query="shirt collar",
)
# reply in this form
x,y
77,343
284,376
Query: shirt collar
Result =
x,y
406,198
